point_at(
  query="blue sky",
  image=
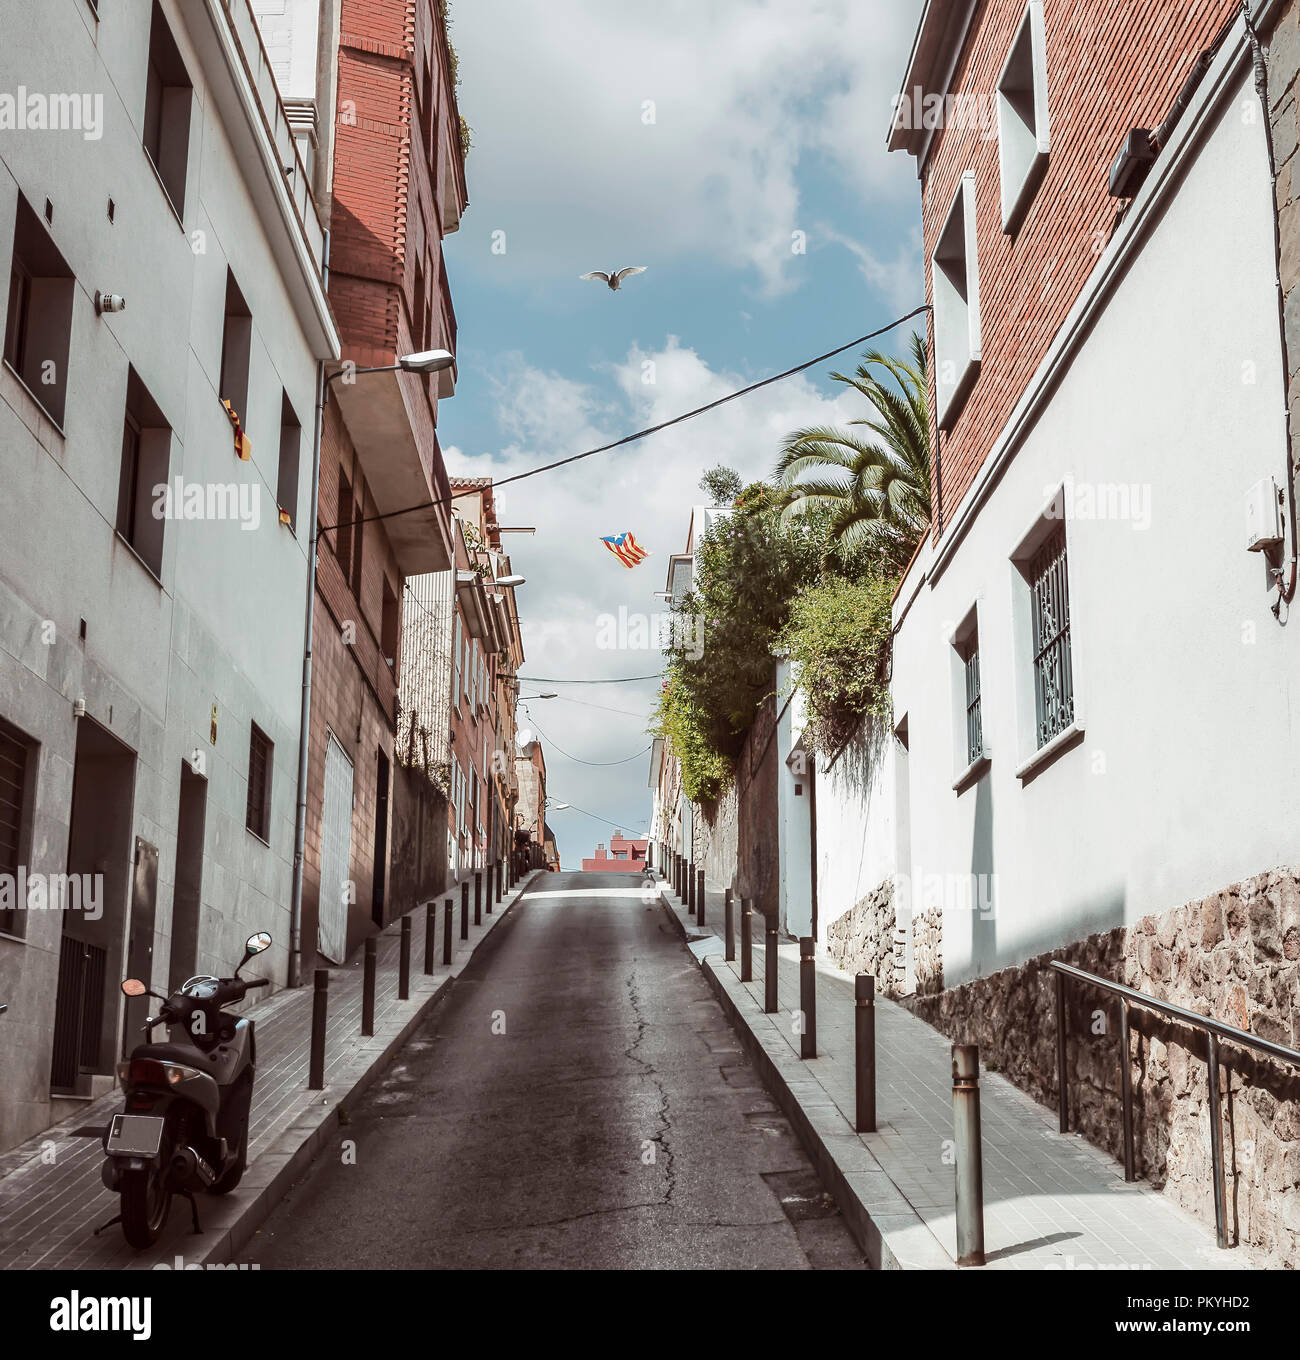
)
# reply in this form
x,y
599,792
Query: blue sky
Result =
x,y
694,139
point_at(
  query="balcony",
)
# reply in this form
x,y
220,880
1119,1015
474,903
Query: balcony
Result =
x,y
383,413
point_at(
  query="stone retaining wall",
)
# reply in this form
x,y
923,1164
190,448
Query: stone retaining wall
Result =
x,y
1234,955
862,940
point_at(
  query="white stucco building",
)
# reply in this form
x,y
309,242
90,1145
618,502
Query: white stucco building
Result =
x,y
1093,698
150,666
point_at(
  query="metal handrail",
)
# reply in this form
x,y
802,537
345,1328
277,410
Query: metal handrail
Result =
x,y
1213,1029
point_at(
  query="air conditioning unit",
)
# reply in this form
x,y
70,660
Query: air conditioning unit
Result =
x,y
1263,515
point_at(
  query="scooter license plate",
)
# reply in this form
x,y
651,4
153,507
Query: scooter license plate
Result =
x,y
134,1135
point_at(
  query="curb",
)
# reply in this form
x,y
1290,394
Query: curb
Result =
x,y
230,1224
889,1232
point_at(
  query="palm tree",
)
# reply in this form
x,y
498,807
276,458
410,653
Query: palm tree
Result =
x,y
876,487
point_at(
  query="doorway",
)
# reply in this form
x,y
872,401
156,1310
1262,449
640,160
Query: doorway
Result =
x,y
187,893
91,955
336,888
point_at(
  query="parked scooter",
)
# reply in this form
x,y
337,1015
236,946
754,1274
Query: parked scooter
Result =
x,y
185,1124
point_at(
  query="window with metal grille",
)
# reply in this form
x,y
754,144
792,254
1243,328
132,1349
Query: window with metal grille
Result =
x,y
13,786
1050,608
258,819
974,718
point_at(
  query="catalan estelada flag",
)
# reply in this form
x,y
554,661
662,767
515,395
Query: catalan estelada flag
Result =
x,y
625,548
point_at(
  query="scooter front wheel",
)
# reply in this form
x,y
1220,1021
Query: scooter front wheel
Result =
x,y
145,1204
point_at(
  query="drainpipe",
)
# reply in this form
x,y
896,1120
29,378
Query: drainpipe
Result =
x,y
1285,587
304,724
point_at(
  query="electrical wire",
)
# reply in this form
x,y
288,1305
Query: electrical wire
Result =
x,y
618,826
586,703
578,760
639,434
614,680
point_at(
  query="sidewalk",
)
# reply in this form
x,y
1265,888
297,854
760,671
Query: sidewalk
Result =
x,y
51,1195
1050,1201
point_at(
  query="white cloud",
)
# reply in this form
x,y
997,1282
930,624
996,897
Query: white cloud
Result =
x,y
743,91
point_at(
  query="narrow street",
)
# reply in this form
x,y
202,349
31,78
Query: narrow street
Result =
x,y
579,1100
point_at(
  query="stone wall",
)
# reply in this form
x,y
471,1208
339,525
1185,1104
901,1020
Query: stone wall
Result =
x,y
417,854
927,950
1234,955
736,837
862,940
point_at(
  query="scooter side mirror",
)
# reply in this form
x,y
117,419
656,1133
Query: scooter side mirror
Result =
x,y
256,943
134,987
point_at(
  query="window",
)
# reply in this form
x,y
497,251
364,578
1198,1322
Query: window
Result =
x,y
236,350
38,321
16,768
974,724
146,461
955,281
258,818
455,652
358,532
1050,604
1023,140
968,711
427,109
168,99
390,627
343,519
286,487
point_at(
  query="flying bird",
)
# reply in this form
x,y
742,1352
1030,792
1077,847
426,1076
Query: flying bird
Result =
x,y
614,279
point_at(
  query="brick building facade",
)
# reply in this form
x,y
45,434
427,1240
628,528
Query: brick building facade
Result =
x,y
386,117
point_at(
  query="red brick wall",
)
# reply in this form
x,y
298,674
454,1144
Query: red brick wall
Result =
x,y
353,689
1111,65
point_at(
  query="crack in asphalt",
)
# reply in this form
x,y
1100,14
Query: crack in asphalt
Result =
x,y
665,1118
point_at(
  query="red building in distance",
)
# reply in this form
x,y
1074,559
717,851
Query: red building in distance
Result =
x,y
623,856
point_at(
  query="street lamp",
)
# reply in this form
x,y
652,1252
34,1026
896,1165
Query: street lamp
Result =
x,y
427,361
509,582
424,361
550,694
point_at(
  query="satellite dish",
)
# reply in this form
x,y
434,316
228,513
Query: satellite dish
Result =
x,y
524,738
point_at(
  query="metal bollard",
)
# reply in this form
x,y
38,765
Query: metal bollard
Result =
x,y
969,1164
464,910
699,899
500,871
478,897
808,996
446,933
487,892
690,886
864,1028
368,989
729,919
430,933
404,962
319,1003
769,967
746,941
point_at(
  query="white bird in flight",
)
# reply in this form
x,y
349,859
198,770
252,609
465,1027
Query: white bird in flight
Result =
x,y
614,279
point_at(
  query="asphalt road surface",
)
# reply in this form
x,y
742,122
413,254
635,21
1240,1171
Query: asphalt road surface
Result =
x,y
578,1100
